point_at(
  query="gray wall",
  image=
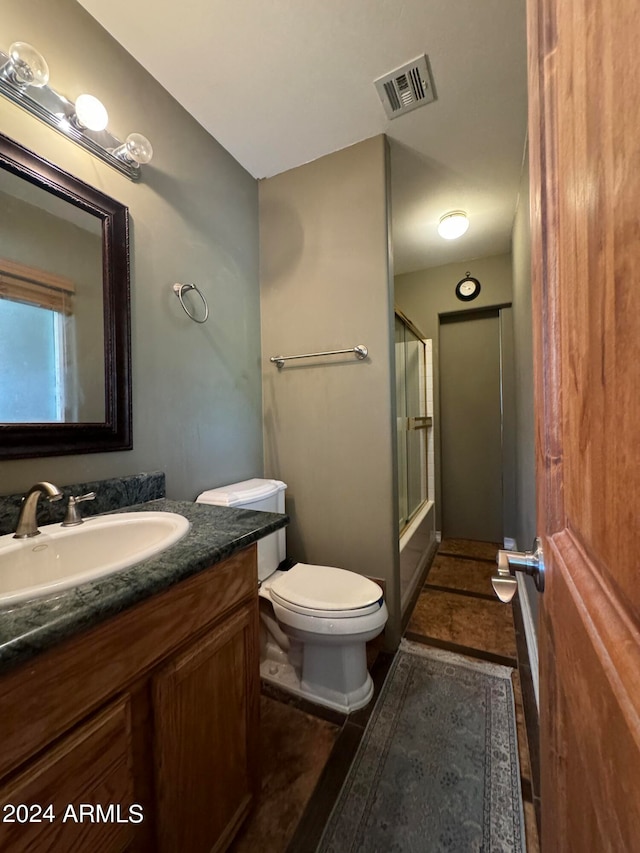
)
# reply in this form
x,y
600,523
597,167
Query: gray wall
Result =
x,y
425,294
196,388
525,530
329,424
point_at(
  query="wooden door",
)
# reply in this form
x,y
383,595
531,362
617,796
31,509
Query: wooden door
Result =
x,y
584,119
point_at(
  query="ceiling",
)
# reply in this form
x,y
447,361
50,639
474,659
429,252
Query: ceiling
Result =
x,y
282,82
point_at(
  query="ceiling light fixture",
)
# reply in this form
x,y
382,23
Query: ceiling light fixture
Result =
x,y
24,78
453,225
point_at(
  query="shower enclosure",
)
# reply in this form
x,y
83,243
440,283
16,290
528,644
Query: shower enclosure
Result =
x,y
414,404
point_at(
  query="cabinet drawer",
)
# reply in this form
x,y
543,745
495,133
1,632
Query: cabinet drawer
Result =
x,y
91,767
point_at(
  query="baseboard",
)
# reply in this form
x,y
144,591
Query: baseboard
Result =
x,y
527,650
530,635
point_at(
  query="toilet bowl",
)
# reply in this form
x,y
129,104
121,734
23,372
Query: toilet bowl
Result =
x,y
315,620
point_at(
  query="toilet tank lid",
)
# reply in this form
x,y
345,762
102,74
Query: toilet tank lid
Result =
x,y
244,492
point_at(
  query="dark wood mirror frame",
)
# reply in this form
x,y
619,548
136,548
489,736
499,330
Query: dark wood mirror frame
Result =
x,y
20,440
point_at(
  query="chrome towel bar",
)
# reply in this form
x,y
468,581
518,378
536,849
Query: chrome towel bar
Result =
x,y
360,352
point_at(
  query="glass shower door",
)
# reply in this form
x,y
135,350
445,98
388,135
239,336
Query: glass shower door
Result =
x,y
412,420
401,408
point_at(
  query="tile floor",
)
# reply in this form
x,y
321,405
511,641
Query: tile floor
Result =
x,y
295,748
306,752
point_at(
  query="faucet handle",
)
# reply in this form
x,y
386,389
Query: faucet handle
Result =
x,y
73,516
78,499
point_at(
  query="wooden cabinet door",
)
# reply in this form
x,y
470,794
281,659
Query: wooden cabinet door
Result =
x,y
205,709
584,85
78,796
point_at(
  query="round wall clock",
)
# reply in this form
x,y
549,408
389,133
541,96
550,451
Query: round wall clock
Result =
x,y
467,288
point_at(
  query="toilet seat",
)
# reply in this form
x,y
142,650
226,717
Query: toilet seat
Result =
x,y
326,592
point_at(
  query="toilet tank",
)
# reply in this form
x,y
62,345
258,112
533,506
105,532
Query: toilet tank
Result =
x,y
261,495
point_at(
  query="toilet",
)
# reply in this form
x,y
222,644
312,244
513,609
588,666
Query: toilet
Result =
x,y
315,620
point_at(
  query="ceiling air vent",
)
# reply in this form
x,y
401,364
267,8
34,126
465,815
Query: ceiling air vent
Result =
x,y
406,88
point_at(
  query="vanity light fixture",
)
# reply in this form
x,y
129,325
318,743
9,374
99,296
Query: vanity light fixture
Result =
x,y
453,225
90,113
25,66
24,77
135,149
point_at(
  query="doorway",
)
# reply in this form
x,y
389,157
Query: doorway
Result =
x,y
471,426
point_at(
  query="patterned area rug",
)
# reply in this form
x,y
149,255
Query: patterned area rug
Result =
x,y
437,768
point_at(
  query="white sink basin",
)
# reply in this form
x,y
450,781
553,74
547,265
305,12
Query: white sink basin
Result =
x,y
64,557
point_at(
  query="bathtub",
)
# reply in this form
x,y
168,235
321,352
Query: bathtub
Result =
x,y
417,543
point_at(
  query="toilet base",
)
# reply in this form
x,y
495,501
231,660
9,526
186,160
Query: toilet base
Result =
x,y
328,669
285,676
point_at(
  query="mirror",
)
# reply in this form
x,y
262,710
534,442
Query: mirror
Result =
x,y
65,360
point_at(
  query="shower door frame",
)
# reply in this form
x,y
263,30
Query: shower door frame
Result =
x,y
405,522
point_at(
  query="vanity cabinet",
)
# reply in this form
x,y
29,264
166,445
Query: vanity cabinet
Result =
x,y
139,734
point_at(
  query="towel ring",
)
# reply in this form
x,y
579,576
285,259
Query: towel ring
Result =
x,y
179,288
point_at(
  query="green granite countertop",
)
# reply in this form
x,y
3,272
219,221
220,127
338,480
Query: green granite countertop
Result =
x,y
31,627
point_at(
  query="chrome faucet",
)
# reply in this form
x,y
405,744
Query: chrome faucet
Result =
x,y
27,521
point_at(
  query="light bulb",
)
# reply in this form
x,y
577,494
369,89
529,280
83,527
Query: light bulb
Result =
x,y
26,66
135,149
453,225
91,113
